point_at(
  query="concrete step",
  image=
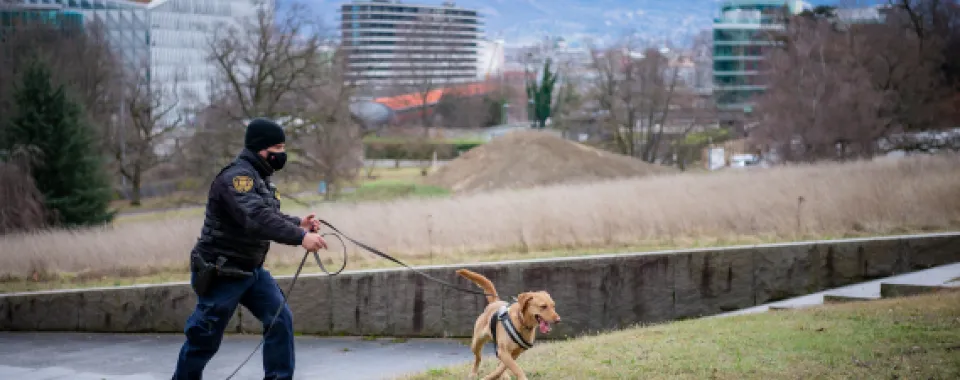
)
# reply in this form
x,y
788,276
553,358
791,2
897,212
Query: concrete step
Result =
x,y
907,290
944,276
781,308
835,298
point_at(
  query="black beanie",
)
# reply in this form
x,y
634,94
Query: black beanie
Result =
x,y
262,134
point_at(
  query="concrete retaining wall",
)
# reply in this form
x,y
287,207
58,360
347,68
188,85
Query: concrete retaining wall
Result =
x,y
593,293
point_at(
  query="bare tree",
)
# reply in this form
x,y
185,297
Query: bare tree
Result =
x,y
916,51
820,102
639,90
327,137
428,50
212,143
459,109
149,115
286,70
23,208
261,64
568,99
837,88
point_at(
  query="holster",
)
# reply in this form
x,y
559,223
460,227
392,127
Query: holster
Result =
x,y
208,273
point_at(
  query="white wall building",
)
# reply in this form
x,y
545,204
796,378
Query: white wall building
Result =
x,y
394,43
180,33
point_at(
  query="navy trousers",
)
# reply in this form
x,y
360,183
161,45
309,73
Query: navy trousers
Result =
x,y
204,330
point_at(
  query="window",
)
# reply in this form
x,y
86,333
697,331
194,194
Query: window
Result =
x,y
735,35
726,66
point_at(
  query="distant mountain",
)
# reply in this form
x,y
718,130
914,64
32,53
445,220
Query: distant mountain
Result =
x,y
521,22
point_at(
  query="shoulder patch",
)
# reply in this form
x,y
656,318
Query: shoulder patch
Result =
x,y
242,183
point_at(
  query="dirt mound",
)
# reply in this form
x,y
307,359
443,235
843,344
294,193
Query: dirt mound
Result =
x,y
533,158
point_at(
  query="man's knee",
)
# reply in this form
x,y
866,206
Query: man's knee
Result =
x,y
205,327
284,319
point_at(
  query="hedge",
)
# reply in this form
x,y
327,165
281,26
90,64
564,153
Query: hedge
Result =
x,y
415,150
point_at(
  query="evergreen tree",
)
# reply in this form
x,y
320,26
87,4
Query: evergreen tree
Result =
x,y
540,96
69,170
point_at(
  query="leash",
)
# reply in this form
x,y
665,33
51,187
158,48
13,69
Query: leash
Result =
x,y
340,236
391,258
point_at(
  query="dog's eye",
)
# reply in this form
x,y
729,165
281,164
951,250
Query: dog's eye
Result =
x,y
543,307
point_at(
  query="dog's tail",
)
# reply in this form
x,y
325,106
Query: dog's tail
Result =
x,y
482,282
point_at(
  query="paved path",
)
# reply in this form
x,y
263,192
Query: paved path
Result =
x,y
81,356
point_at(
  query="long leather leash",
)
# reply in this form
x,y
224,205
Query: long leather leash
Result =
x,y
340,236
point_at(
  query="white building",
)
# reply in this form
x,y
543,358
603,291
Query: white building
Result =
x,y
180,33
394,43
490,61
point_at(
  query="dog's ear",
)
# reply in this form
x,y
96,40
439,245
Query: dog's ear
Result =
x,y
524,299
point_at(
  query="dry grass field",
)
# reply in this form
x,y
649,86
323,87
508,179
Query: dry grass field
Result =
x,y
670,210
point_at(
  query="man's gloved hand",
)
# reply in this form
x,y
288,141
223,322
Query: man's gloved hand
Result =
x,y
309,223
312,242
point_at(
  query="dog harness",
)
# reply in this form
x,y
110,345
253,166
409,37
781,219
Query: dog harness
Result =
x,y
503,316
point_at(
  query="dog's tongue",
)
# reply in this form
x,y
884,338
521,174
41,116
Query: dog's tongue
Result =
x,y
544,327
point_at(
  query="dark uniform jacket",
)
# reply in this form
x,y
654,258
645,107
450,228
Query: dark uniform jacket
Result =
x,y
243,215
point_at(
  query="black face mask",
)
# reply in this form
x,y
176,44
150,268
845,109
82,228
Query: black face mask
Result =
x,y
276,160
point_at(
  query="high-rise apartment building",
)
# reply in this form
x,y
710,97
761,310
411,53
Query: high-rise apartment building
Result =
x,y
392,43
739,42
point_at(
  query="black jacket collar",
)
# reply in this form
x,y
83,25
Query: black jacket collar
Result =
x,y
257,162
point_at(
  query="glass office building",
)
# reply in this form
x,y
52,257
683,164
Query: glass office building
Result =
x,y
739,42
124,22
161,39
11,17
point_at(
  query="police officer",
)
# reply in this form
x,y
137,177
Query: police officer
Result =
x,y
242,217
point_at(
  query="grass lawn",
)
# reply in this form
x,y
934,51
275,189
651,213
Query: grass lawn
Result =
x,y
907,338
386,184
387,189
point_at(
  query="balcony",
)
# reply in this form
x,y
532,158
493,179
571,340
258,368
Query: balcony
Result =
x,y
748,20
738,88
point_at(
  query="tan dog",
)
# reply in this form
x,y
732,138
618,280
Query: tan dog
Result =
x,y
532,310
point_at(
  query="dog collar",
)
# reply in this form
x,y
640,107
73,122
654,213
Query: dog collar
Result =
x,y
503,317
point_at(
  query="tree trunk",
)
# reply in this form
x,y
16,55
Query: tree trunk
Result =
x,y
330,194
135,187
